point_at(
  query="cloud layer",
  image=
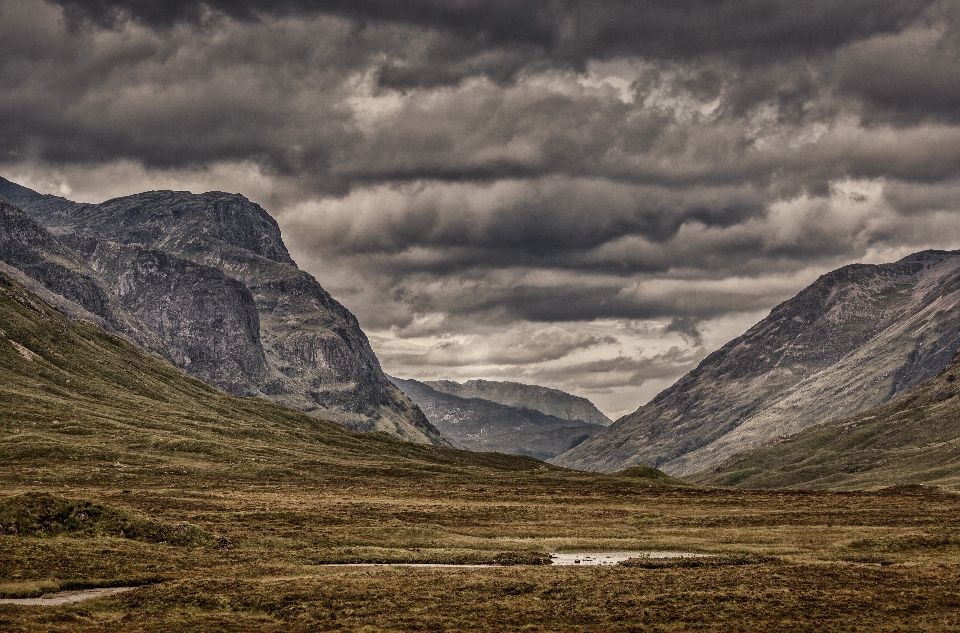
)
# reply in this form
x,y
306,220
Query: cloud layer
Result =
x,y
561,192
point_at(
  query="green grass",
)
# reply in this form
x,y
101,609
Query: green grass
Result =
x,y
40,514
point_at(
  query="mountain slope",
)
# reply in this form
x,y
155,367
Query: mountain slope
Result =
x,y
855,338
914,439
207,321
39,259
84,406
553,402
481,425
200,261
19,195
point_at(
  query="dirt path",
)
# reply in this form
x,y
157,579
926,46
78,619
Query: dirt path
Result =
x,y
66,597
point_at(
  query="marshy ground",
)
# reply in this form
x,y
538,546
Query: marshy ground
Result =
x,y
887,560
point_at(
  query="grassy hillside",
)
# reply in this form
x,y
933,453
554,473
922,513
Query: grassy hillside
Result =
x,y
80,406
914,439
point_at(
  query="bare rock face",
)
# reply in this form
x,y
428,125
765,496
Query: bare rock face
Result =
x,y
855,338
477,424
38,260
553,402
209,274
207,321
909,440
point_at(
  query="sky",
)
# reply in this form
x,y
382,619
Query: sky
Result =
x,y
590,195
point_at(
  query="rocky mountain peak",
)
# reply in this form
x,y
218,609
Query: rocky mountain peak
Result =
x,y
177,221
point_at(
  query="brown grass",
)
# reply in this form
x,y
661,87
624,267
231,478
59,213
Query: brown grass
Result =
x,y
787,561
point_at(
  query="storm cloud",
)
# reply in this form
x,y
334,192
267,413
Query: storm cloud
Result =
x,y
558,191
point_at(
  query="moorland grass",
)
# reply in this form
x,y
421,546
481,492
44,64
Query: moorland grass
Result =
x,y
95,437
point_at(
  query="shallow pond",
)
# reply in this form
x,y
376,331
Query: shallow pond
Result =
x,y
576,558
612,558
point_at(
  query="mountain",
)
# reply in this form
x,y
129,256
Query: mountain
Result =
x,y
481,425
553,402
32,255
83,406
857,337
208,275
19,195
208,321
914,439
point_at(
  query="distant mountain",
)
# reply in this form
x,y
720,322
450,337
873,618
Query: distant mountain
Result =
x,y
553,402
209,277
482,425
914,439
857,337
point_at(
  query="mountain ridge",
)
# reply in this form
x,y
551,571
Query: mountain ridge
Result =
x,y
477,424
546,400
856,337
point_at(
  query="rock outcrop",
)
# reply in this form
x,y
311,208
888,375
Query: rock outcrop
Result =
x,y
857,337
207,321
34,257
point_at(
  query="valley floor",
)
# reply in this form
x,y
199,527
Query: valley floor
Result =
x,y
785,561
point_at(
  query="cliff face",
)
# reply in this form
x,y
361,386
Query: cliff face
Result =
x,y
855,338
207,321
37,259
209,274
554,402
482,425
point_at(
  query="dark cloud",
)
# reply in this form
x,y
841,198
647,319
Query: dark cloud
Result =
x,y
574,28
493,299
450,167
545,223
913,199
575,302
688,327
276,91
906,77
174,100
